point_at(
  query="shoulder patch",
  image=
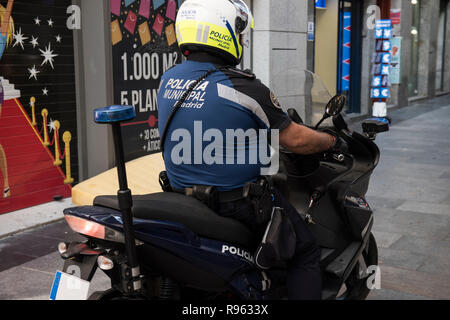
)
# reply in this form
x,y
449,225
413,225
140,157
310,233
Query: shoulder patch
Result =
x,y
274,100
245,73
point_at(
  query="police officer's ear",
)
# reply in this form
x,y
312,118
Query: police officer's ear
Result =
x,y
241,39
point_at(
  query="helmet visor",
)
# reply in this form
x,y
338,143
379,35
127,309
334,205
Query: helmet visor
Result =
x,y
244,19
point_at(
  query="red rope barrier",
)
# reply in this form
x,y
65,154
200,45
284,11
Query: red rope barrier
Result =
x,y
53,141
63,155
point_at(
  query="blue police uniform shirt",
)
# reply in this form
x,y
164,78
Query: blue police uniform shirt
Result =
x,y
225,102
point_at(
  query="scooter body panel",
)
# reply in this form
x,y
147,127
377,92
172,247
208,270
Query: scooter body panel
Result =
x,y
176,251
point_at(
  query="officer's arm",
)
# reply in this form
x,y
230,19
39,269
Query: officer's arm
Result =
x,y
296,138
302,140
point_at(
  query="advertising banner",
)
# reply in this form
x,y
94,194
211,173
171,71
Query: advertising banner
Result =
x,y
144,47
396,16
345,55
38,109
396,53
382,60
321,4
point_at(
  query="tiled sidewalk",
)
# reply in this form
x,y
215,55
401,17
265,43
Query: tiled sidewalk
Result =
x,y
410,192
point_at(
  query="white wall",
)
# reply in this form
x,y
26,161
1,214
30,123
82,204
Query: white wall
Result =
x,y
94,73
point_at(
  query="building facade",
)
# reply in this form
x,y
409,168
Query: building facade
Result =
x,y
420,66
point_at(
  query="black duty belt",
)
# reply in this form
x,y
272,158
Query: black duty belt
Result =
x,y
259,194
222,196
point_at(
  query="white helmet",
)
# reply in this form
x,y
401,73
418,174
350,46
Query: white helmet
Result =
x,y
213,26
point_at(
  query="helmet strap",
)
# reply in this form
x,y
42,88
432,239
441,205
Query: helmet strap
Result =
x,y
241,39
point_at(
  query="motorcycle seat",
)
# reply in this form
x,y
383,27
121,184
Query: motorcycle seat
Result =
x,y
174,207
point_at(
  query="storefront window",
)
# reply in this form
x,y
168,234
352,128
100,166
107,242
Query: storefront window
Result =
x,y
413,87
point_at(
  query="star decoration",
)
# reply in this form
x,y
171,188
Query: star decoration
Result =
x,y
19,38
145,148
37,21
33,73
34,41
48,55
51,125
50,22
141,135
58,38
45,91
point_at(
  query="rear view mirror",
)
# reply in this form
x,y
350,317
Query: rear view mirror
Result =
x,y
335,106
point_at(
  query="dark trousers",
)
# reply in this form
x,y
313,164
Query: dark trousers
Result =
x,y
303,270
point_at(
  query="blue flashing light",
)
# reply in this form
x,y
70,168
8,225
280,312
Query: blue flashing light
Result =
x,y
114,114
384,120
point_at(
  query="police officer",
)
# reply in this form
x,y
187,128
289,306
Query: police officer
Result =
x,y
225,103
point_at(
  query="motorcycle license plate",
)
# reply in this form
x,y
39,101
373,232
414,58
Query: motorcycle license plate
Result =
x,y
69,287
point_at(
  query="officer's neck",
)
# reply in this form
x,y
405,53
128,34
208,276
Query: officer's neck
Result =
x,y
206,57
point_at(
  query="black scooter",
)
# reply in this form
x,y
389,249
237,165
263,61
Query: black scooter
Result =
x,y
168,246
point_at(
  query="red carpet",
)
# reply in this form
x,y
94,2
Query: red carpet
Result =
x,y
33,179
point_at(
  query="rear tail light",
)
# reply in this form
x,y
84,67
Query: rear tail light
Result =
x,y
62,247
86,227
95,230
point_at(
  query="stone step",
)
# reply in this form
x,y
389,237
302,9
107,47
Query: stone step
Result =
x,y
8,87
4,81
12,94
9,90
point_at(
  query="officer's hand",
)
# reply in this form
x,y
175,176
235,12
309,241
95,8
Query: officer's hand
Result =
x,y
340,146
